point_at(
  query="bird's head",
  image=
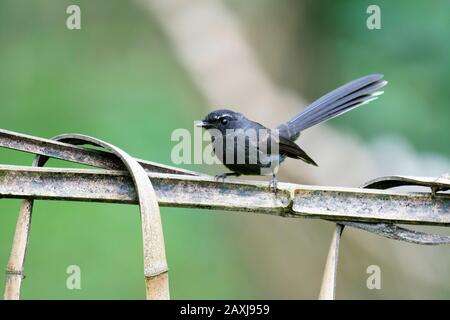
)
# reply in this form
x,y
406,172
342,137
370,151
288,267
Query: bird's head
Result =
x,y
222,120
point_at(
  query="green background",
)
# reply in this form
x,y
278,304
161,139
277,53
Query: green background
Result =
x,y
118,79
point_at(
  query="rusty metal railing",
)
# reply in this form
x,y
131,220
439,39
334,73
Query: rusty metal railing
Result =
x,y
124,179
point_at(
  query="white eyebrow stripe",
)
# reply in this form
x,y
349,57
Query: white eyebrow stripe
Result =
x,y
225,115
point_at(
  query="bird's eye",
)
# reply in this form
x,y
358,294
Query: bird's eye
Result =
x,y
224,121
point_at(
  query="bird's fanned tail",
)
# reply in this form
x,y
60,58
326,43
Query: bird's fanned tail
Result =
x,y
351,95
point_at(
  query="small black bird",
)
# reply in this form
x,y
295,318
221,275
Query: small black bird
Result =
x,y
248,148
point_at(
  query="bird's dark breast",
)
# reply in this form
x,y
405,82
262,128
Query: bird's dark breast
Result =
x,y
237,158
246,169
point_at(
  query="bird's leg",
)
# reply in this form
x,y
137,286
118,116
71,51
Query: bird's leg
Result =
x,y
225,175
273,183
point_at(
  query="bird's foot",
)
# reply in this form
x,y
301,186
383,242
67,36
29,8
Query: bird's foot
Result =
x,y
220,177
225,175
273,184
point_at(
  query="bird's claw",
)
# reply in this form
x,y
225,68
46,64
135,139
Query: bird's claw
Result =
x,y
273,184
220,177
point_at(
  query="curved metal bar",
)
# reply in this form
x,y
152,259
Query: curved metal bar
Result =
x,y
436,184
392,231
63,149
155,264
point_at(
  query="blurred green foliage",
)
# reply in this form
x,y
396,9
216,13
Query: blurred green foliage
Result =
x,y
314,46
116,79
119,80
412,49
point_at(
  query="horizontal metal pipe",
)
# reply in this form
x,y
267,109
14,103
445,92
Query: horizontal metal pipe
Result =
x,y
346,204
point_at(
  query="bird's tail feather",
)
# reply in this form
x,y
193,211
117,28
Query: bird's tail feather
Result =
x,y
351,95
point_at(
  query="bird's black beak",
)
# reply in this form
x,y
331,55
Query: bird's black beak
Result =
x,y
203,124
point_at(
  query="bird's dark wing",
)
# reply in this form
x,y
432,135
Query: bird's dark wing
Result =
x,y
286,148
333,104
292,150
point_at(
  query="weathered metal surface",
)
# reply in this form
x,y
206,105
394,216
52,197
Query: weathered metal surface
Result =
x,y
77,154
437,184
392,231
348,204
116,186
395,232
388,230
369,205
